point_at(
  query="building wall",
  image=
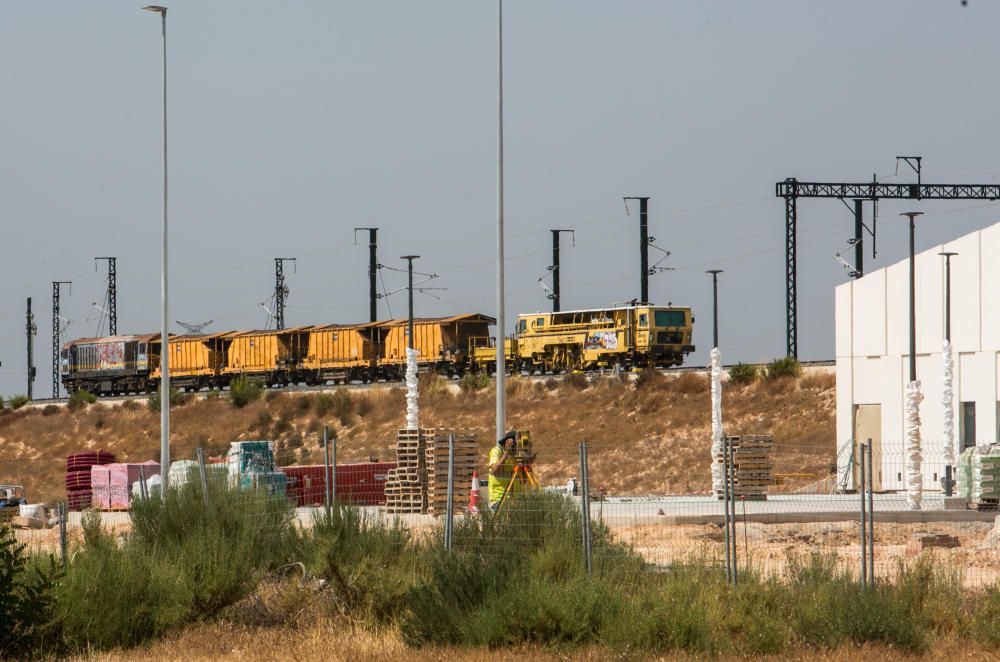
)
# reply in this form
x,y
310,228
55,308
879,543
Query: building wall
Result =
x,y
872,346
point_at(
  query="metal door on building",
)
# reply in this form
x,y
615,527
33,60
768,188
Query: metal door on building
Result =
x,y
868,425
967,424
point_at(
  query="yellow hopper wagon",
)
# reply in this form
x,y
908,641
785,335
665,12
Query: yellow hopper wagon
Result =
x,y
341,353
443,342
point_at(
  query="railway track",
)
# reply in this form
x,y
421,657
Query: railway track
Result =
x,y
298,388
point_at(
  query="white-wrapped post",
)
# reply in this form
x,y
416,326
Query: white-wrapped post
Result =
x,y
948,404
412,408
914,450
717,473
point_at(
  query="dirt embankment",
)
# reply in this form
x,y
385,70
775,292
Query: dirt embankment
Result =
x,y
647,438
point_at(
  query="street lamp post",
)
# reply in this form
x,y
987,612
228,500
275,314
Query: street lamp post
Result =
x,y
501,395
715,305
912,215
947,293
946,362
409,290
164,333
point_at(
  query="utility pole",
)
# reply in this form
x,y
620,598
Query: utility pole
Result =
x,y
555,296
372,271
643,245
715,305
409,290
31,331
112,294
501,365
912,215
280,291
56,345
859,252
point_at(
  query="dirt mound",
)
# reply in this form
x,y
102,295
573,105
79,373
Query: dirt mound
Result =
x,y
646,438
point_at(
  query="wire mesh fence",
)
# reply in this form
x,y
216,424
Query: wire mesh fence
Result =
x,y
645,513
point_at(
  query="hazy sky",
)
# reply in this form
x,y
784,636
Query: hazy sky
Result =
x,y
291,123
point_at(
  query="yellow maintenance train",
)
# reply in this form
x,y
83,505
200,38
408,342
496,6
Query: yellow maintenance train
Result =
x,y
630,336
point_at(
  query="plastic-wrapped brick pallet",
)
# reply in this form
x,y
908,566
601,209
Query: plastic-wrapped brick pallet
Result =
x,y
79,493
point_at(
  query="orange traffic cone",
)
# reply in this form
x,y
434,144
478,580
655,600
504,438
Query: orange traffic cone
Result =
x,y
474,494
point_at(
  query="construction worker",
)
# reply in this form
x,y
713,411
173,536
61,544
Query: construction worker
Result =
x,y
501,468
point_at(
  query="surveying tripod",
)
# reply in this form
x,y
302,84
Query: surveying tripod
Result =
x,y
522,475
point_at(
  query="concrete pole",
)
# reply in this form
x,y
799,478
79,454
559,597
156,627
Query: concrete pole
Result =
x,y
164,331
501,396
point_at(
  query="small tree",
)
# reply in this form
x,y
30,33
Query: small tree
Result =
x,y
81,398
18,401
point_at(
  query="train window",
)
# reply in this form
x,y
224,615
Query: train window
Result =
x,y
669,318
643,321
539,321
523,326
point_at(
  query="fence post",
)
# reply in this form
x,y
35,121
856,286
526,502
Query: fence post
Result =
x,y
326,469
732,503
725,511
864,529
61,508
333,470
143,490
203,474
450,510
871,517
585,509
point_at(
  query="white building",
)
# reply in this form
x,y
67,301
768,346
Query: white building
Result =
x,y
872,318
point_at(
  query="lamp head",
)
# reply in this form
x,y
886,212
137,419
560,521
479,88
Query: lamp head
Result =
x,y
156,9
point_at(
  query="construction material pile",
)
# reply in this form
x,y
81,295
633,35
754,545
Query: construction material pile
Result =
x,y
979,476
436,460
251,467
419,483
752,466
79,493
111,484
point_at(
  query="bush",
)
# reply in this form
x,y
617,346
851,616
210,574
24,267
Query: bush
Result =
x,y
786,367
431,384
576,381
49,410
18,401
649,377
25,599
243,391
177,399
181,563
474,381
81,398
743,373
339,404
130,405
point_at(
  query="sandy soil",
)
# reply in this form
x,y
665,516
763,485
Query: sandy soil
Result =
x,y
648,439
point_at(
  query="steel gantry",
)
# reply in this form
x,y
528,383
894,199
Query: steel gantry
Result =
x,y
792,189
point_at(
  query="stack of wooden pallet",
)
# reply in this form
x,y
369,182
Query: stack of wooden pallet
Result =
x,y
467,458
406,485
752,466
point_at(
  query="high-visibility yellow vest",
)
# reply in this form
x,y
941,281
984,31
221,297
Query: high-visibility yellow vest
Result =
x,y
500,478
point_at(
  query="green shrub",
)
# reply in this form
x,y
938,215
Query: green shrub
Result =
x,y
18,401
243,391
743,373
1,403
786,367
985,626
25,599
474,381
339,403
177,399
576,381
81,398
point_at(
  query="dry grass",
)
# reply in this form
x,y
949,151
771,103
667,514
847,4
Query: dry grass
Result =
x,y
328,639
644,439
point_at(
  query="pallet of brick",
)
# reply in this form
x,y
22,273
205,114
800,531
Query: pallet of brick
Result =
x,y
753,466
406,485
467,458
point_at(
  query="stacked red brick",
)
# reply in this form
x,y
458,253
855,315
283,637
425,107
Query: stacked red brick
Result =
x,y
79,493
